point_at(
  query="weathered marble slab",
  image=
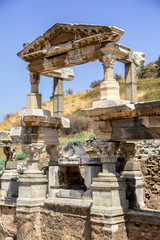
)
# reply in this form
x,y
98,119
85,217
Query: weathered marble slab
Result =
x,y
5,139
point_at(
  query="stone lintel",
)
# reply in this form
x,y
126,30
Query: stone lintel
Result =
x,y
45,121
65,74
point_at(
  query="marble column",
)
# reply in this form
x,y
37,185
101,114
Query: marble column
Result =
x,y
34,98
32,184
58,97
109,196
109,87
130,82
54,170
133,175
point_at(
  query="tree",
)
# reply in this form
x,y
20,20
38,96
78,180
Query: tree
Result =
x,y
117,77
96,83
158,66
69,91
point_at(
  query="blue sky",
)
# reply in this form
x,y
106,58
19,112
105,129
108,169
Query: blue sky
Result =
x,y
24,20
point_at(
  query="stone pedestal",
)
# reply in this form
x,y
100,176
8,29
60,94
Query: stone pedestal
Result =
x,y
132,174
32,184
34,100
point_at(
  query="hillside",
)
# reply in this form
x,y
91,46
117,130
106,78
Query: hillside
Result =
x,y
148,89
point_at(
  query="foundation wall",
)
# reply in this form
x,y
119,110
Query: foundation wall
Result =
x,y
149,156
28,226
143,225
8,225
65,223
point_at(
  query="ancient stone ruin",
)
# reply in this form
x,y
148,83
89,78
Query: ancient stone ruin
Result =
x,y
80,197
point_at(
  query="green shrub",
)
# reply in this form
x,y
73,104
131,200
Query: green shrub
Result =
x,y
79,112
91,135
2,163
20,156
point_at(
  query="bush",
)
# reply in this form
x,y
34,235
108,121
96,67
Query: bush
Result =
x,y
78,124
118,77
2,163
149,71
69,91
96,83
20,156
158,66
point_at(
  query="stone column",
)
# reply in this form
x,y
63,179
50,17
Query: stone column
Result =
x,y
58,97
32,184
109,87
130,82
34,98
132,174
53,174
109,196
108,188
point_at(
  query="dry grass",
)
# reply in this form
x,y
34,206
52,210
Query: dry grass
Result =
x,y
12,121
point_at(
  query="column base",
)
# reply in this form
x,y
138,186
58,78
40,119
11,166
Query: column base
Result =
x,y
32,190
109,195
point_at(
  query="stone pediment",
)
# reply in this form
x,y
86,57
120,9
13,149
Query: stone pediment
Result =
x,y
63,37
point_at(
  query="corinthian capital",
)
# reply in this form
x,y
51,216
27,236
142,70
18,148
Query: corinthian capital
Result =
x,y
108,151
34,78
108,60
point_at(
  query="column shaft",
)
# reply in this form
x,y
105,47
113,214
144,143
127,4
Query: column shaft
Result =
x,y
58,97
130,82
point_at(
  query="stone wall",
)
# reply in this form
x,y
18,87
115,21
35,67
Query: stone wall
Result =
x,y
28,226
149,156
8,226
143,225
61,222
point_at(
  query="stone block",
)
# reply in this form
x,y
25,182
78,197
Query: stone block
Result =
x,y
34,100
132,166
9,182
